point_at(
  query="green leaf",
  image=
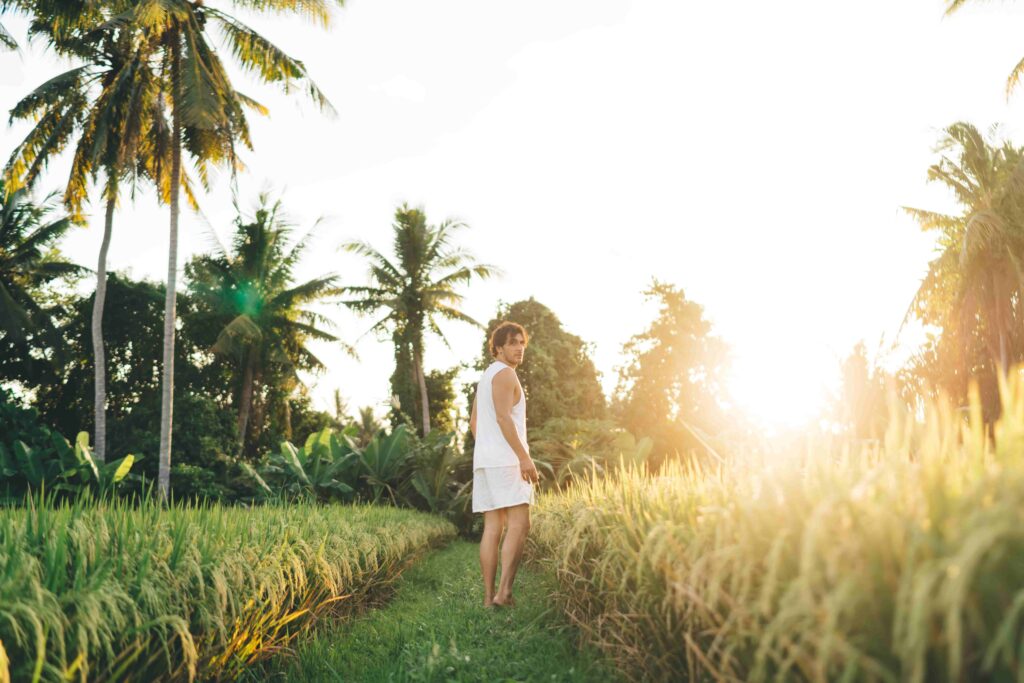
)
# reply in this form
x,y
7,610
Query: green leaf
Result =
x,y
124,465
291,456
84,454
258,479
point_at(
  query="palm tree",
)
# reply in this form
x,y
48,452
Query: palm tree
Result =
x,y
208,117
27,235
368,425
111,111
417,290
973,288
249,294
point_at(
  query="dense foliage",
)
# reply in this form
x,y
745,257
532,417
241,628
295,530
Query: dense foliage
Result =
x,y
35,459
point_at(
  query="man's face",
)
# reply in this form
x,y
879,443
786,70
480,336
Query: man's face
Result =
x,y
512,351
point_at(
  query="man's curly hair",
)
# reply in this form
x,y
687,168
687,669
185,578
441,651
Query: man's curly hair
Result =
x,y
502,333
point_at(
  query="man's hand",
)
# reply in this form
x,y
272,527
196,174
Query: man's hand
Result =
x,y
528,470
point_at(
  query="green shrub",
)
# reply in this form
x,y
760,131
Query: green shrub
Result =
x,y
34,458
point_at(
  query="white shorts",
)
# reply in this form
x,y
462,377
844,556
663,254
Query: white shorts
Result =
x,y
500,487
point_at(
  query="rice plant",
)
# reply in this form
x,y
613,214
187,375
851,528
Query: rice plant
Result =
x,y
900,561
117,590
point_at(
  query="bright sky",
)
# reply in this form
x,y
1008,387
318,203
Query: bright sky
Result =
x,y
755,154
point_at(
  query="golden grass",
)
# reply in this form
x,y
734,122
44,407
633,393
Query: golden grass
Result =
x,y
898,561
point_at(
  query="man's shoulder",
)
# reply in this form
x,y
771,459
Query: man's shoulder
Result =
x,y
504,374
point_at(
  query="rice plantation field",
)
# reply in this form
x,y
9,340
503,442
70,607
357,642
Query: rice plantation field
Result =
x,y
113,591
894,561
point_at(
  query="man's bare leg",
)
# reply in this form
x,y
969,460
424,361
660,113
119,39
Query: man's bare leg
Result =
x,y
494,520
512,551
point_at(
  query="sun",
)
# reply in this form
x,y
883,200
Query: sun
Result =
x,y
779,392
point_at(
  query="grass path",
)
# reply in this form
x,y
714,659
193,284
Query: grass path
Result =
x,y
435,629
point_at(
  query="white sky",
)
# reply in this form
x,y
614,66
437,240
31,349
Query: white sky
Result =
x,y
755,154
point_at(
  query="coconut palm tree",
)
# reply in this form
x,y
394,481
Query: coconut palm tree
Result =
x,y
974,286
368,425
418,289
208,116
27,233
110,111
249,294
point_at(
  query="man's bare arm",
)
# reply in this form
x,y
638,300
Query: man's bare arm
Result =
x,y
472,419
503,389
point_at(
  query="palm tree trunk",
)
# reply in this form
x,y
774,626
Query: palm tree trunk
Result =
x,y
245,401
417,362
170,303
98,351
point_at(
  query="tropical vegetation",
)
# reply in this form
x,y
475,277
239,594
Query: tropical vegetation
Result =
x,y
416,290
175,504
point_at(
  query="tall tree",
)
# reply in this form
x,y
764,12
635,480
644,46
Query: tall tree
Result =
x,y
973,288
670,387
558,373
417,290
111,112
249,294
134,318
208,115
861,406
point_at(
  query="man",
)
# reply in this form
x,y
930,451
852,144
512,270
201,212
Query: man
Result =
x,y
503,472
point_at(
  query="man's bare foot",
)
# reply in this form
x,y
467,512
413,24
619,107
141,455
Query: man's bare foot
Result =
x,y
509,601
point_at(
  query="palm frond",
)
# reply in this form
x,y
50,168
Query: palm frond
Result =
x,y
455,314
7,40
51,93
931,220
318,11
307,292
258,55
238,333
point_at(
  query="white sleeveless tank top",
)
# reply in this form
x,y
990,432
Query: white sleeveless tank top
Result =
x,y
491,449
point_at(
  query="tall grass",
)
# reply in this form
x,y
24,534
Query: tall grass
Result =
x,y
903,561
114,591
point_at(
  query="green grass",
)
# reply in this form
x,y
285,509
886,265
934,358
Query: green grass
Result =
x,y
112,591
436,629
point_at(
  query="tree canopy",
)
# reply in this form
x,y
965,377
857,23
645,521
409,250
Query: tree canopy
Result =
x,y
671,386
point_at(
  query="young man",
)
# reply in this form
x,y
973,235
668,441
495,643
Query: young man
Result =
x,y
503,472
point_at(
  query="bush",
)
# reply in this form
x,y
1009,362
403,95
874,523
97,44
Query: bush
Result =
x,y
34,458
